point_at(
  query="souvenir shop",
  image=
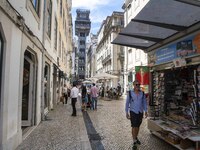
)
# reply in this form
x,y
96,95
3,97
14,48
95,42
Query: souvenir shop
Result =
x,y
175,92
171,38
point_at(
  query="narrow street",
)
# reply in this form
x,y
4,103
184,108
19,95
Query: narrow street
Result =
x,y
107,128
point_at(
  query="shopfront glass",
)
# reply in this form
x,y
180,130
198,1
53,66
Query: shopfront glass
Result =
x,y
1,60
46,85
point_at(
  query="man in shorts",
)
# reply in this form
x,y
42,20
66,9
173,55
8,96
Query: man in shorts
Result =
x,y
136,104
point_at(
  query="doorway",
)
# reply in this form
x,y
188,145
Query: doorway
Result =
x,y
1,61
46,87
1,70
29,85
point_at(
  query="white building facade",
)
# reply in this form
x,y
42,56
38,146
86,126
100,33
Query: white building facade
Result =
x,y
110,57
133,57
32,64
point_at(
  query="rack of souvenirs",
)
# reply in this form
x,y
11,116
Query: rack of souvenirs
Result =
x,y
175,106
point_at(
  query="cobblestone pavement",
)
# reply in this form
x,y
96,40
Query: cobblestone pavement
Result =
x,y
111,124
60,132
63,132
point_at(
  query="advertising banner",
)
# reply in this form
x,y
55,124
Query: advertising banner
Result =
x,y
142,75
185,47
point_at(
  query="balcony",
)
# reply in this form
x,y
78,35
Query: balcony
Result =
x,y
105,60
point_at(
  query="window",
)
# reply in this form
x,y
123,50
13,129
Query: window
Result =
x,y
36,5
63,19
82,42
62,50
49,13
55,34
59,52
61,8
1,60
82,34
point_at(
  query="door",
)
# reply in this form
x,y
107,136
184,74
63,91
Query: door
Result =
x,y
27,96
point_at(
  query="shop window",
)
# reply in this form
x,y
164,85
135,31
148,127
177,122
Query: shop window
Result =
x,y
49,14
36,5
1,59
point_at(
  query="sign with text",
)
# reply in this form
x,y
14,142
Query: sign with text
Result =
x,y
185,47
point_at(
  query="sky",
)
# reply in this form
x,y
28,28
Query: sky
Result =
x,y
99,10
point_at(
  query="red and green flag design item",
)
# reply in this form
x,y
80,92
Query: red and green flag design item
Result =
x,y
142,74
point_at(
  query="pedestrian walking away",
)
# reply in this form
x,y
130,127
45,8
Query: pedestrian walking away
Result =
x,y
94,95
84,98
74,95
136,104
65,94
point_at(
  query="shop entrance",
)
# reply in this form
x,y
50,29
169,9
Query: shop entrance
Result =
x,y
1,66
28,95
55,85
46,87
1,61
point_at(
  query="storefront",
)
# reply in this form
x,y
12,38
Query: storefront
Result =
x,y
1,66
29,89
175,88
171,38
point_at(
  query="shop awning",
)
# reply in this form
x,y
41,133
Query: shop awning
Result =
x,y
157,21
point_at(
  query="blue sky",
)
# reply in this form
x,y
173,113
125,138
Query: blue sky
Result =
x,y
99,10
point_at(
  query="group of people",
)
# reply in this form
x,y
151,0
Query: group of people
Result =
x,y
135,108
114,92
88,95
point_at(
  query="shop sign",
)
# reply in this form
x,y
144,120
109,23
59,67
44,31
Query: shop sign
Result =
x,y
185,47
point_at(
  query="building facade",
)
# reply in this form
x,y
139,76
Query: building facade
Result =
x,y
35,36
133,57
82,29
110,57
91,56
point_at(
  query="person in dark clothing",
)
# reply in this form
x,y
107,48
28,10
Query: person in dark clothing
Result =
x,y
84,98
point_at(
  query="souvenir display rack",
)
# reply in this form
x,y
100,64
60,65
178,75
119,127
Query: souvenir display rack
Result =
x,y
175,106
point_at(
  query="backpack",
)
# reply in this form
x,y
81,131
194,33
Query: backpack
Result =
x,y
131,96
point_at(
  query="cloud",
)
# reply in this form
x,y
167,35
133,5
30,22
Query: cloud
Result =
x,y
89,4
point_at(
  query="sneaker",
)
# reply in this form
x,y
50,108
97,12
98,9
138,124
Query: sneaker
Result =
x,y
134,147
138,142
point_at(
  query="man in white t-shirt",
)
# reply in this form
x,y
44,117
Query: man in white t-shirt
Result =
x,y
74,95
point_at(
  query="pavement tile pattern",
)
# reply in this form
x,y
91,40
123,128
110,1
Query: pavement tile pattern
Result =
x,y
63,132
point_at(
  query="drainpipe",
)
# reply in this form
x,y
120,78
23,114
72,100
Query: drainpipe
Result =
x,y
43,57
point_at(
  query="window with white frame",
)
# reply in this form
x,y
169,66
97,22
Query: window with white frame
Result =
x,y
61,8
55,34
49,14
59,52
1,60
36,5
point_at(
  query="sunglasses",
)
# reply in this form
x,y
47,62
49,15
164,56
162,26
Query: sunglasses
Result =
x,y
137,84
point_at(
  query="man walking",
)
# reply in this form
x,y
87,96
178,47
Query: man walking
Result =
x,y
94,94
74,95
65,93
136,104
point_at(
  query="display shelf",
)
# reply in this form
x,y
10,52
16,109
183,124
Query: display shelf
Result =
x,y
175,145
155,127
